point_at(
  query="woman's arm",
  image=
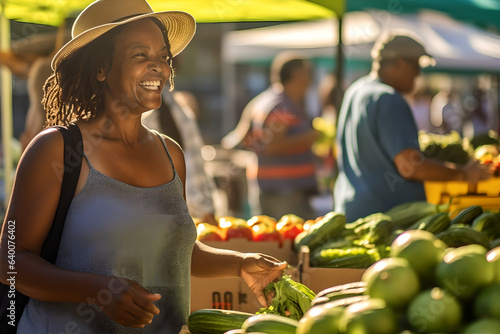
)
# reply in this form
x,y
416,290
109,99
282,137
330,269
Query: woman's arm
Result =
x,y
257,270
31,210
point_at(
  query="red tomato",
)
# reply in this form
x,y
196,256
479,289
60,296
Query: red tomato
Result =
x,y
290,231
208,232
290,225
265,222
239,231
269,236
291,218
210,236
235,228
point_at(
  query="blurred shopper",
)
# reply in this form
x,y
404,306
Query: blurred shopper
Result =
x,y
479,109
176,117
276,126
447,113
35,117
380,163
30,59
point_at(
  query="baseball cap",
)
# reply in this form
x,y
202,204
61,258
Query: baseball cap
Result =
x,y
392,45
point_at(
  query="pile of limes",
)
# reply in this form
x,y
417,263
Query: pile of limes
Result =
x,y
424,287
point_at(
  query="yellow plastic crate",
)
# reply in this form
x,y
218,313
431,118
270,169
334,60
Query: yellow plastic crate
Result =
x,y
442,192
459,203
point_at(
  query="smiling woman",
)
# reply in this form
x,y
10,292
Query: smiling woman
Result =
x,y
64,100
129,245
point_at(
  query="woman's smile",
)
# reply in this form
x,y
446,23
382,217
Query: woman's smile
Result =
x,y
151,85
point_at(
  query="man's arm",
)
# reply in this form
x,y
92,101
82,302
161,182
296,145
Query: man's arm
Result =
x,y
413,165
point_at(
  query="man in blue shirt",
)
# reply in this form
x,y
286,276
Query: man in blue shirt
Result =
x,y
380,163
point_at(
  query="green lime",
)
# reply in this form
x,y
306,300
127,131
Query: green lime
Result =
x,y
465,270
371,316
493,256
487,302
435,311
421,249
483,326
320,319
393,280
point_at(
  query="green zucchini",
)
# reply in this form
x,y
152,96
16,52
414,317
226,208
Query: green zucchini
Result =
x,y
379,232
461,236
341,287
270,324
332,244
488,223
406,214
214,321
362,225
354,261
332,296
328,228
494,243
344,302
434,223
320,256
467,215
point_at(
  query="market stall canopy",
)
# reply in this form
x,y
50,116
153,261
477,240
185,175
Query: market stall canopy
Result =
x,y
485,13
456,46
53,12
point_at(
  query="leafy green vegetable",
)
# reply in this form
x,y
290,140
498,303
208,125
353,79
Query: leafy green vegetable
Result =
x,y
290,299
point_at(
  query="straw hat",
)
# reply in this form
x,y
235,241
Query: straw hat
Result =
x,y
103,15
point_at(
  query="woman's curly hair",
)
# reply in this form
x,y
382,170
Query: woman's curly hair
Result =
x,y
73,92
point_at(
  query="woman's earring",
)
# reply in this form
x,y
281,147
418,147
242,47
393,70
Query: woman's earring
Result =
x,y
101,76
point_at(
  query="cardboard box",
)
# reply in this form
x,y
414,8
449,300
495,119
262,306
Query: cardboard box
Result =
x,y
318,279
218,293
226,293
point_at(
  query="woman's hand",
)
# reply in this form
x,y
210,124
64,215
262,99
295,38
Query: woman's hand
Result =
x,y
129,304
258,270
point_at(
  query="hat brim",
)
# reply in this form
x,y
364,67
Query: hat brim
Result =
x,y
180,26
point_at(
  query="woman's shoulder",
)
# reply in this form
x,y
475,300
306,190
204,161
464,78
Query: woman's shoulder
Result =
x,y
46,141
171,144
44,153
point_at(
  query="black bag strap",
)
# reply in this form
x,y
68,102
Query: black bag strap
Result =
x,y
73,153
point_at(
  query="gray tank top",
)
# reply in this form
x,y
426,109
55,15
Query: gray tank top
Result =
x,y
116,229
